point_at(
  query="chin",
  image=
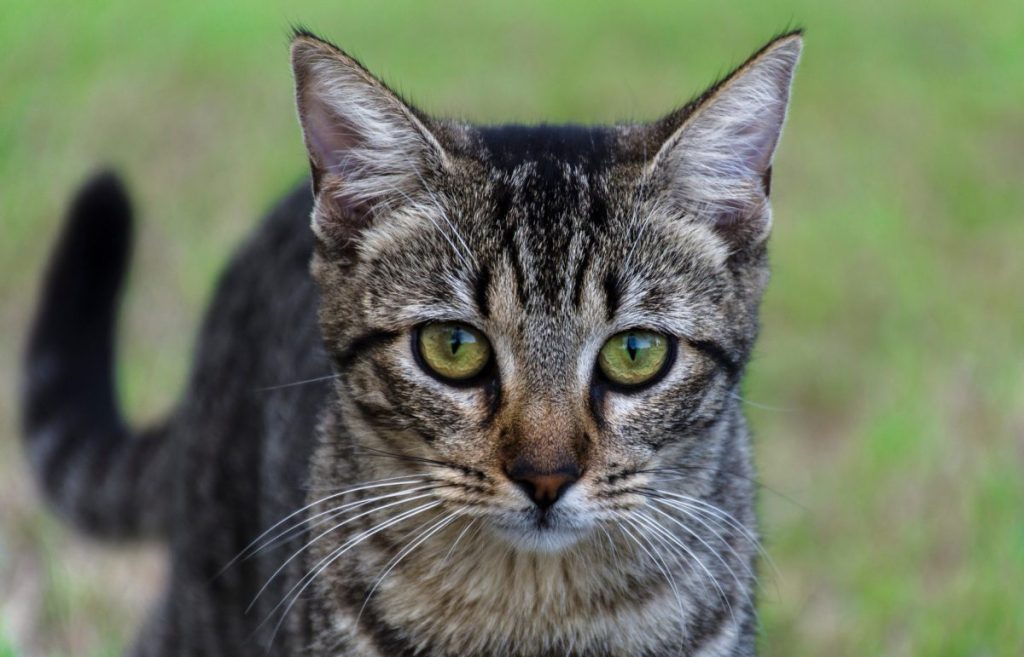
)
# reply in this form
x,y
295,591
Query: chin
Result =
x,y
548,535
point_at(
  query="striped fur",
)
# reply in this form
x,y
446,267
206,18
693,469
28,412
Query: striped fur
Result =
x,y
322,494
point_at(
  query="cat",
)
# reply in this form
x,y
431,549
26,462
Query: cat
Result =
x,y
487,406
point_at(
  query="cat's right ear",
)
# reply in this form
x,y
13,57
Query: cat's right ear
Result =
x,y
718,156
368,149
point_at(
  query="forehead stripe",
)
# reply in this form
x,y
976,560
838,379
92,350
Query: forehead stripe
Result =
x,y
612,294
512,249
581,272
481,283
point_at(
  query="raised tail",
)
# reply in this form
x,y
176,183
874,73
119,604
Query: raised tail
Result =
x,y
94,471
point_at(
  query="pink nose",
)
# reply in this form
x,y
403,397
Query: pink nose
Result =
x,y
544,488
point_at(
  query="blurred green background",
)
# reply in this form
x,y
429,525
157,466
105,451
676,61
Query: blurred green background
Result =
x,y
887,393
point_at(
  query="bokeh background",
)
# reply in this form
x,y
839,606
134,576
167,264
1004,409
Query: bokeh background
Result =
x,y
887,392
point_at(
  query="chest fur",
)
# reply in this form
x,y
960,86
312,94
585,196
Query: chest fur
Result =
x,y
481,598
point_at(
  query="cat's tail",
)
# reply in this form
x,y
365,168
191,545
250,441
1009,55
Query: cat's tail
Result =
x,y
105,479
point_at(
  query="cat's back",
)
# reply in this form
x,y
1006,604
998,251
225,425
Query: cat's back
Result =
x,y
260,373
260,327
259,383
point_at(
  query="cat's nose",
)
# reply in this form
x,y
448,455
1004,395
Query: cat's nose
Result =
x,y
544,488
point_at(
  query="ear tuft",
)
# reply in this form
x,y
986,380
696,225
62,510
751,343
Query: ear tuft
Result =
x,y
367,147
718,161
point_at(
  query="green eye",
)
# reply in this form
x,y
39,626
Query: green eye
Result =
x,y
631,358
453,351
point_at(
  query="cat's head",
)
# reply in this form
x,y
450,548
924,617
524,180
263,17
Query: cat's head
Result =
x,y
540,319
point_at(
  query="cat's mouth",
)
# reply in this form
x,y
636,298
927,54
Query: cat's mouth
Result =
x,y
544,521
547,530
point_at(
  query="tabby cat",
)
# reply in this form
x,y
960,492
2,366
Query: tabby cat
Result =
x,y
487,406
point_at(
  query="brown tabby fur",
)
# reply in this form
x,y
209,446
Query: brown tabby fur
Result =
x,y
416,538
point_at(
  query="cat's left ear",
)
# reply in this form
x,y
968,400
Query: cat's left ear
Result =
x,y
368,150
716,160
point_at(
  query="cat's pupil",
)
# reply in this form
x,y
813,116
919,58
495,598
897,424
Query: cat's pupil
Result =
x,y
631,346
456,340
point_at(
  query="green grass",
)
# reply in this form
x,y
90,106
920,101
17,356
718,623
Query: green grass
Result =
x,y
889,380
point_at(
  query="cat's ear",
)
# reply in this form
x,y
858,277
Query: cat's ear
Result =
x,y
368,149
717,157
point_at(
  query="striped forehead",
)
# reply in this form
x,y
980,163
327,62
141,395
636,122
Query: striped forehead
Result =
x,y
549,205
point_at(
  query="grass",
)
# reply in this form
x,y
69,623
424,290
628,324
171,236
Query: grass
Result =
x,y
888,387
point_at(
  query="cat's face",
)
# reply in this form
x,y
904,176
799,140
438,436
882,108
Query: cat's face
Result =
x,y
542,320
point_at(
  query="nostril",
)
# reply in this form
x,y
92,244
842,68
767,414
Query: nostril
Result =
x,y
544,488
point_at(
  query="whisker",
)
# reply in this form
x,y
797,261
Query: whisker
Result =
x,y
379,483
423,536
694,514
764,407
699,514
333,556
681,560
476,532
714,513
712,551
299,383
682,469
374,451
332,513
325,533
611,542
662,566
658,528
451,550
684,557
687,557
671,499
